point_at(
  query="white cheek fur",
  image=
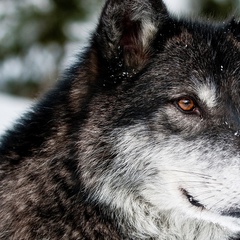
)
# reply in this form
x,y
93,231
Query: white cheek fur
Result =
x,y
145,186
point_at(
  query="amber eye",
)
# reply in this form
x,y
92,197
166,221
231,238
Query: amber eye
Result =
x,y
186,104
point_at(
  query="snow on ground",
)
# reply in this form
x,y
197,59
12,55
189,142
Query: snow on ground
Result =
x,y
11,108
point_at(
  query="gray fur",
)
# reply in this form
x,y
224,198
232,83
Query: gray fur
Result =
x,y
111,152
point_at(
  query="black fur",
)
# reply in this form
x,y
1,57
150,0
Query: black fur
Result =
x,y
52,160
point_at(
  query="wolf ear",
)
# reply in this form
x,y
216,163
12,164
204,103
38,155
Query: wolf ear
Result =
x,y
126,31
234,27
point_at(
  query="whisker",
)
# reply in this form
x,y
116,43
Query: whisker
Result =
x,y
188,172
210,208
206,198
190,181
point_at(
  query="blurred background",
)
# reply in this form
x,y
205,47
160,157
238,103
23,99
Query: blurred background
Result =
x,y
39,38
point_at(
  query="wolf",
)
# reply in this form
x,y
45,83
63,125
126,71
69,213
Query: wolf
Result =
x,y
139,139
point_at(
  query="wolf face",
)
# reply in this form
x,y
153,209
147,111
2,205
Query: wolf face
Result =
x,y
139,140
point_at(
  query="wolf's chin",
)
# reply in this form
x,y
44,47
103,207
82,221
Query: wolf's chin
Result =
x,y
235,213
228,219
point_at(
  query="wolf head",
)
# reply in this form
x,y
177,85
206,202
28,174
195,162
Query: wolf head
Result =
x,y
147,126
166,117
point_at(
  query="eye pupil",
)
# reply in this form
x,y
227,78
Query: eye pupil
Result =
x,y
186,104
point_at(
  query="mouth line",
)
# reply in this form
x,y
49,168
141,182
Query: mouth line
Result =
x,y
233,212
191,199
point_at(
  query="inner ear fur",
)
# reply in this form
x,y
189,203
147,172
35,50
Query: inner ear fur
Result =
x,y
126,31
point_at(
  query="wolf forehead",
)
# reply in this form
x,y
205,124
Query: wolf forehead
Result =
x,y
171,58
181,50
199,58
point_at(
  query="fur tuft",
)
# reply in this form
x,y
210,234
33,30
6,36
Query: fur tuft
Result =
x,y
139,140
